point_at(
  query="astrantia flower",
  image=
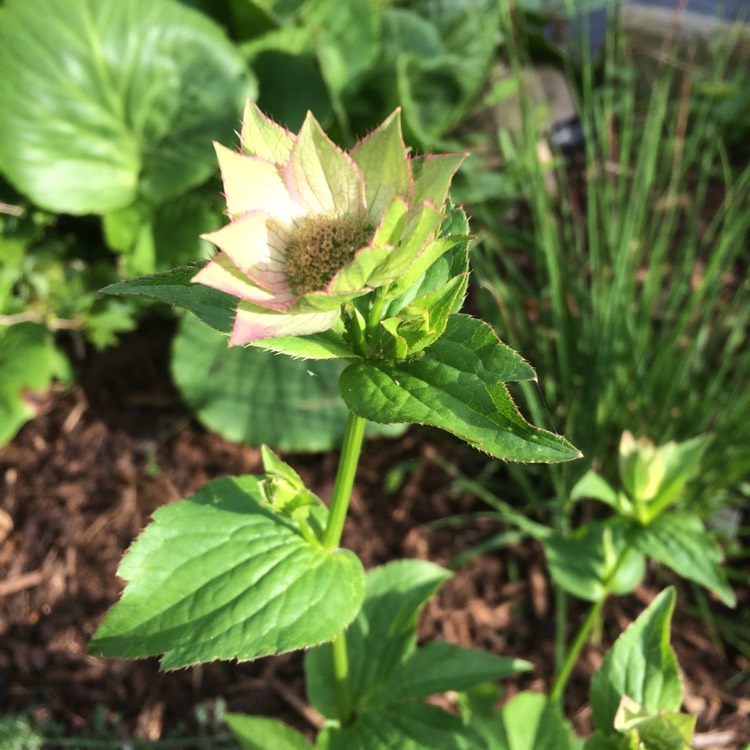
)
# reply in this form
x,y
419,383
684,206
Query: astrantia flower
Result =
x,y
312,227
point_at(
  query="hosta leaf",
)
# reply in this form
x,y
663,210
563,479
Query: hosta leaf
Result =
x,y
254,396
458,385
102,101
220,576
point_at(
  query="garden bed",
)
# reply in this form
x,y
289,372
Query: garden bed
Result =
x,y
81,480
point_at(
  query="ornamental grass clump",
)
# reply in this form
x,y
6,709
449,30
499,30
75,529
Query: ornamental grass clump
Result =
x,y
313,227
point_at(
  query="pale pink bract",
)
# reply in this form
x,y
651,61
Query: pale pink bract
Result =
x,y
280,184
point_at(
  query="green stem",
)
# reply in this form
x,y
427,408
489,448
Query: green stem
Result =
x,y
558,688
341,678
575,651
342,489
342,492
376,311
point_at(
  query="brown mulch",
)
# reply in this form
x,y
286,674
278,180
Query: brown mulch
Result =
x,y
81,480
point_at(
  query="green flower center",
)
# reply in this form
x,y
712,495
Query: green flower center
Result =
x,y
321,247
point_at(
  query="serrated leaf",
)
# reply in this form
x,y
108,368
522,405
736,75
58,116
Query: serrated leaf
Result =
x,y
220,576
213,307
455,262
262,733
127,98
410,726
458,386
254,396
680,541
640,665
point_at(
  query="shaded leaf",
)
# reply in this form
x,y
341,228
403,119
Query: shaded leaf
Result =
x,y
254,396
583,562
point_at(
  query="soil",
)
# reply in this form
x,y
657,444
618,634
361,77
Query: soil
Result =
x,y
81,480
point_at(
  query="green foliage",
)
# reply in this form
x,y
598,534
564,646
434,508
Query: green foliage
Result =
x,y
635,698
29,362
214,308
254,396
458,386
647,519
440,52
17,734
628,297
386,666
637,692
221,575
128,112
529,721
411,726
45,287
260,733
596,560
389,673
356,63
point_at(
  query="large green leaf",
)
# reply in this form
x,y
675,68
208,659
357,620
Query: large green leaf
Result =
x,y
458,385
641,665
409,726
262,733
220,576
347,39
441,53
254,396
680,541
102,101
